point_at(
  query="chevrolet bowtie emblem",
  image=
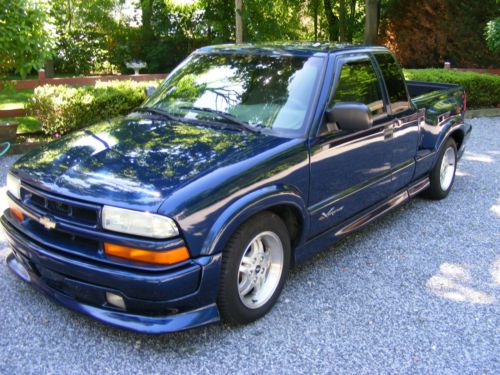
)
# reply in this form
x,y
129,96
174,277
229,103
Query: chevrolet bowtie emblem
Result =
x,y
47,223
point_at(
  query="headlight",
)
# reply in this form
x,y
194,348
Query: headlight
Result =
x,y
138,223
14,185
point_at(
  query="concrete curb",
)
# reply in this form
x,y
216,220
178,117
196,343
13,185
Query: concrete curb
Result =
x,y
484,112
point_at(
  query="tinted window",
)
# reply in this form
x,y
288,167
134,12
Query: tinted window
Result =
x,y
358,83
394,81
269,92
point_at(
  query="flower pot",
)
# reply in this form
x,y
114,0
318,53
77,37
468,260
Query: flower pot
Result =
x,y
8,130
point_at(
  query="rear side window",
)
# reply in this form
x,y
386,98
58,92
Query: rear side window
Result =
x,y
358,83
394,81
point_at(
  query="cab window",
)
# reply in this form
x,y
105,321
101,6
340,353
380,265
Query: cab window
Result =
x,y
358,83
394,81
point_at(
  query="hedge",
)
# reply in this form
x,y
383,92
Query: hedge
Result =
x,y
61,109
483,90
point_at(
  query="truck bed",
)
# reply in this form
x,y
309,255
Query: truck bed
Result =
x,y
419,88
441,100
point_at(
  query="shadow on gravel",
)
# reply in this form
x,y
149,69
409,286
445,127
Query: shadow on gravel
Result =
x,y
454,282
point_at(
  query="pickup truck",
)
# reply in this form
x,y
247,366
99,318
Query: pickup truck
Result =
x,y
246,160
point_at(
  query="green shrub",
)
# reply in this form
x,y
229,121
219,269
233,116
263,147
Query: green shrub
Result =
x,y
483,90
61,109
492,35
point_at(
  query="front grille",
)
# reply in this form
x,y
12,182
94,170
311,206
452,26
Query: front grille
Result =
x,y
62,208
62,240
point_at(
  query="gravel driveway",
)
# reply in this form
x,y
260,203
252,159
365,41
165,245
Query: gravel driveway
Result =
x,y
415,292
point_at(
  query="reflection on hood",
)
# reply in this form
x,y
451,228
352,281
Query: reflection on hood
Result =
x,y
136,161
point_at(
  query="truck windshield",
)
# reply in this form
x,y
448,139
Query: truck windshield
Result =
x,y
269,93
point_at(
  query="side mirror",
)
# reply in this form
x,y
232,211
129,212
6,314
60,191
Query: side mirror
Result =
x,y
350,116
149,90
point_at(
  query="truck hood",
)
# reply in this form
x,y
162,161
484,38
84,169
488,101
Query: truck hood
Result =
x,y
136,162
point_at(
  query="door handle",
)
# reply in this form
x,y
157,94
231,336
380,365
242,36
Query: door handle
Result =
x,y
389,131
398,123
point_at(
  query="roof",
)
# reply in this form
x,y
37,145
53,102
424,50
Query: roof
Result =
x,y
285,48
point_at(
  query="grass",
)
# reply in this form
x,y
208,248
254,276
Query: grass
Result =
x,y
14,99
26,124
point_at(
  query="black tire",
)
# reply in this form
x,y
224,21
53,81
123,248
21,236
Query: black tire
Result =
x,y
231,306
435,190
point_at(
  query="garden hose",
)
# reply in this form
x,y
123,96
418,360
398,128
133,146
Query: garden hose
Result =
x,y
4,147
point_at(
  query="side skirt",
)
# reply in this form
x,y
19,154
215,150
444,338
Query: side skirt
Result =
x,y
351,225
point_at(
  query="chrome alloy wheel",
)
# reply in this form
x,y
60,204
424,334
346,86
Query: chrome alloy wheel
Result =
x,y
447,168
260,269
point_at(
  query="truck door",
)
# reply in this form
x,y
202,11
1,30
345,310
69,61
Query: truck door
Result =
x,y
405,118
350,170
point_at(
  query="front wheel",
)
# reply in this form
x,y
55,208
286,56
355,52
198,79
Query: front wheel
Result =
x,y
442,176
255,263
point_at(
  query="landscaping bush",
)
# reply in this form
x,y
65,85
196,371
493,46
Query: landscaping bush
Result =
x,y
483,90
61,109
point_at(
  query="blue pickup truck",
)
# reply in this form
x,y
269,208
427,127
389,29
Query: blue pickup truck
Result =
x,y
246,160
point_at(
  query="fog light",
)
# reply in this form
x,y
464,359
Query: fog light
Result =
x,y
115,300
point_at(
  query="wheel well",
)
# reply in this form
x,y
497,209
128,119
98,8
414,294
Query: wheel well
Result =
x,y
458,137
292,219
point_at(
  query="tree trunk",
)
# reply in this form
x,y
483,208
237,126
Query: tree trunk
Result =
x,y
69,14
315,20
238,4
371,21
49,68
342,21
352,20
147,13
333,21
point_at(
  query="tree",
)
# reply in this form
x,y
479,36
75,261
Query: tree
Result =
x,y
343,26
86,34
239,21
25,40
147,12
315,18
352,21
372,9
426,33
333,21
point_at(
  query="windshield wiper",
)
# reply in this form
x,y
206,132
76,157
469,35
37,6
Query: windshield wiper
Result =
x,y
226,116
156,111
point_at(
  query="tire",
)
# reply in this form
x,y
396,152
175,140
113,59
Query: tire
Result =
x,y
442,176
255,264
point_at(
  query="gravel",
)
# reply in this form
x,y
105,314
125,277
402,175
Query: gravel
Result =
x,y
415,292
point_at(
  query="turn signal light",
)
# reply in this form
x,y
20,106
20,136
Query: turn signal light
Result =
x,y
158,257
17,213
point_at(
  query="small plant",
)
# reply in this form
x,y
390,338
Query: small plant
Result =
x,y
492,35
61,109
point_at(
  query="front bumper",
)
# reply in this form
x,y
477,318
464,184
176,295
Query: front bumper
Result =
x,y
156,302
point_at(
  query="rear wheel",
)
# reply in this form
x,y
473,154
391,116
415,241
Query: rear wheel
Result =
x,y
442,175
254,268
